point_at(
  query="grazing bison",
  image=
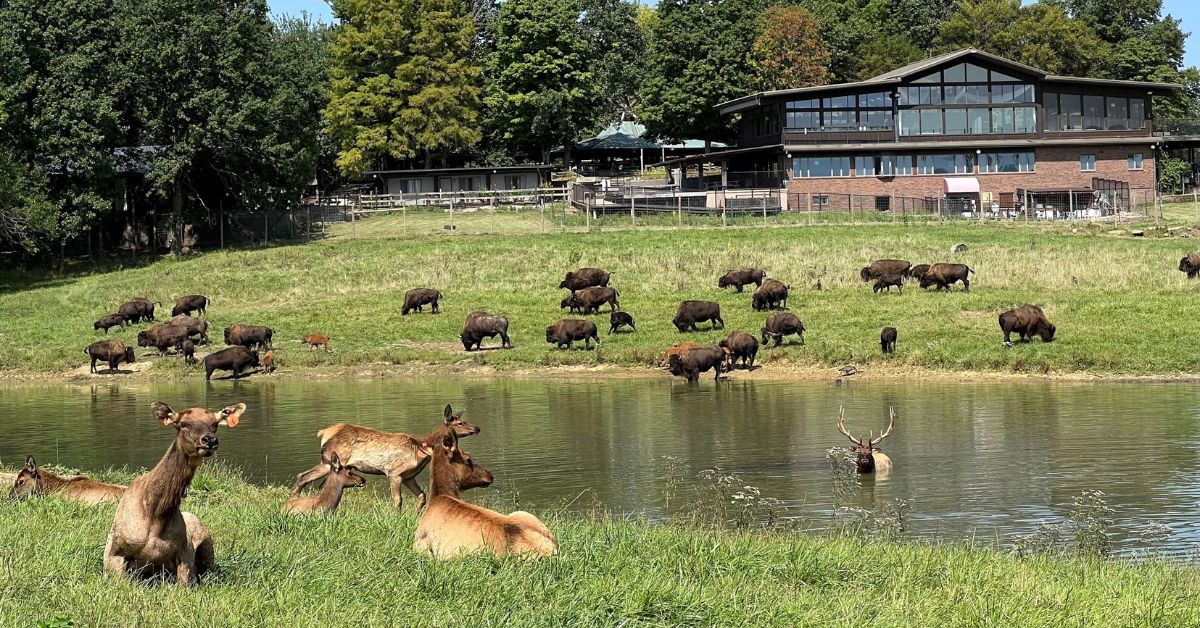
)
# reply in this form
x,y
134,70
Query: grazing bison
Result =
x,y
480,325
589,300
249,336
617,320
691,312
883,267
162,337
417,298
130,311
677,349
887,281
887,340
195,326
188,349
190,303
145,306
316,341
1190,264
112,351
771,295
1027,320
739,278
918,271
584,278
112,320
739,344
568,330
942,275
233,359
780,325
697,361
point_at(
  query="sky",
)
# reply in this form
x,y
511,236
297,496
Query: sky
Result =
x,y
1187,10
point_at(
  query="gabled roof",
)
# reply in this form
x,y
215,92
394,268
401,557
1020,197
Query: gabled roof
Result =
x,y
919,67
617,141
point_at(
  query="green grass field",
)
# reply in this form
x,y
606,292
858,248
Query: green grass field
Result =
x,y
357,569
1120,305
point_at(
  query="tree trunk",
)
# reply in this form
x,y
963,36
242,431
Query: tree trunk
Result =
x,y
428,160
567,155
177,214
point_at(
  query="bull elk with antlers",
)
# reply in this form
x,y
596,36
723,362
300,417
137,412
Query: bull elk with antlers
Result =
x,y
868,457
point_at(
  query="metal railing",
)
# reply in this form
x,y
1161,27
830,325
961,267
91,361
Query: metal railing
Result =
x,y
461,200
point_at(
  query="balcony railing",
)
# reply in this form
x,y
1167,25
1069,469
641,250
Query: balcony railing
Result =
x,y
1177,126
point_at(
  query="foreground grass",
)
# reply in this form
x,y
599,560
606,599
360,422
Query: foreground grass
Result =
x,y
1120,304
358,569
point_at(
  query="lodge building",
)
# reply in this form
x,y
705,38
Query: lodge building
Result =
x,y
966,125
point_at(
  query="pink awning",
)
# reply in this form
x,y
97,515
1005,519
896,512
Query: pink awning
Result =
x,y
962,185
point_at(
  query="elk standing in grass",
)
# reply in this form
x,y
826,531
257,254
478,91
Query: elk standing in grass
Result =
x,y
33,480
450,527
867,456
397,455
150,536
339,478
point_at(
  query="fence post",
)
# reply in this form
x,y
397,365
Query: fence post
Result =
x,y
308,221
266,227
678,208
632,203
220,221
764,209
892,207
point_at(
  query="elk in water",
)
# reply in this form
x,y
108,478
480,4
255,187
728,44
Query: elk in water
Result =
x,y
867,456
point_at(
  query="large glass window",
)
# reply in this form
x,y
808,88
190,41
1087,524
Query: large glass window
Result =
x,y
1071,108
956,74
1006,162
838,102
1002,120
866,165
840,119
1024,120
824,166
956,122
978,121
1093,113
904,165
1137,113
808,120
876,120
910,122
944,164
1118,113
976,74
875,100
931,121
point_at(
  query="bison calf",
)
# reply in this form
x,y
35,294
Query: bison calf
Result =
x,y
234,359
771,295
780,325
112,320
887,281
114,352
887,340
739,278
566,331
268,361
617,320
417,298
741,345
691,312
696,361
480,325
316,341
942,275
188,349
1028,321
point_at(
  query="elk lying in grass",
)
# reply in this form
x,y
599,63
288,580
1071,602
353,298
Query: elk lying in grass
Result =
x,y
150,536
35,481
868,457
339,478
451,527
397,455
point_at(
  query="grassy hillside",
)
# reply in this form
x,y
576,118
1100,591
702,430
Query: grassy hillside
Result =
x,y
1120,304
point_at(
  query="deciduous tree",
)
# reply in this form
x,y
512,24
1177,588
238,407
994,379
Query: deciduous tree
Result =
x,y
788,51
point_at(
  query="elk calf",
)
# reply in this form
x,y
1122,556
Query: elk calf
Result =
x,y
35,481
339,478
867,457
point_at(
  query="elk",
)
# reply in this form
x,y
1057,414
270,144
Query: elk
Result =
x,y
150,536
450,527
339,478
397,455
35,481
868,457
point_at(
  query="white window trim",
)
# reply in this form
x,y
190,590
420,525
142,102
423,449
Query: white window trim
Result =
x,y
1129,157
1081,168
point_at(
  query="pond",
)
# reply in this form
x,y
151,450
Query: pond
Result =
x,y
981,460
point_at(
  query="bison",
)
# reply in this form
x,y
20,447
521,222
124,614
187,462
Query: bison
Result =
x,y
1190,264
771,295
188,349
883,267
677,349
249,336
190,303
112,351
918,271
566,331
130,311
942,275
739,344
780,325
617,320
584,278
112,320
480,325
233,359
195,326
268,361
887,340
589,300
1027,320
691,312
162,337
697,361
145,306
316,341
417,298
739,278
887,281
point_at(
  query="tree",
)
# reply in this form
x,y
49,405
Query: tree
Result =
x,y
983,24
618,53
788,51
845,26
918,21
26,214
541,89
1172,172
885,53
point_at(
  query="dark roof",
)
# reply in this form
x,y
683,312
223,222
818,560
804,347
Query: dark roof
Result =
x,y
612,141
433,172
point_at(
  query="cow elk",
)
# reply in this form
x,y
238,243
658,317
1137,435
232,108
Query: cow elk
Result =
x,y
35,481
867,456
339,478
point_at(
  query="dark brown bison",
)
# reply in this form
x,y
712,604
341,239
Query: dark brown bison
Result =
x,y
188,349
112,351
190,303
942,275
1028,321
617,320
584,278
249,336
887,340
740,345
1190,264
566,331
739,278
589,300
235,359
417,298
887,281
691,312
918,271
780,325
112,320
697,361
162,337
677,349
145,306
771,295
882,267
195,326
480,325
132,311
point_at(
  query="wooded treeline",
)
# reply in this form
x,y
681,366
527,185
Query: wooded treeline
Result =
x,y
244,111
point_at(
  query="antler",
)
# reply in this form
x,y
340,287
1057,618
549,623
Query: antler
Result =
x,y
842,425
891,424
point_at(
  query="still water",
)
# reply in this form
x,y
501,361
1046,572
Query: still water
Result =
x,y
973,460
